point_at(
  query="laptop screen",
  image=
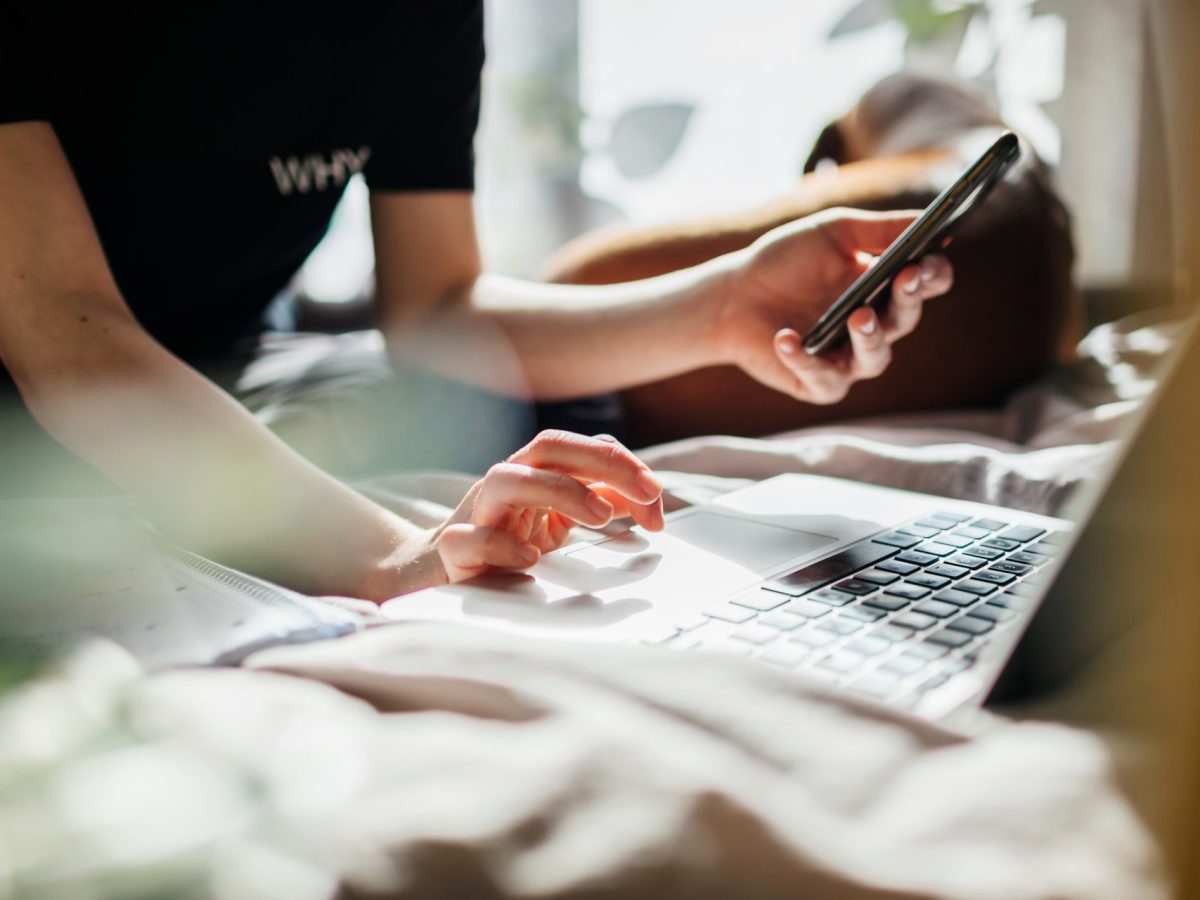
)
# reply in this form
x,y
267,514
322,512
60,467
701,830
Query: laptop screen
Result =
x,y
1128,552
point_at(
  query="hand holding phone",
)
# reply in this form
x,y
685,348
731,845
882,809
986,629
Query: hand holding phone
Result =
x,y
929,232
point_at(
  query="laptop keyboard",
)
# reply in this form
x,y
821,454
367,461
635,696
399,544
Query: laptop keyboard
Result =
x,y
892,616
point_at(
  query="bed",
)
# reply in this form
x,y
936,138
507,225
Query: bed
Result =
x,y
444,761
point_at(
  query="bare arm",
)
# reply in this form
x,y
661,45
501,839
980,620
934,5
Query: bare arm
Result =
x,y
557,341
524,338
209,472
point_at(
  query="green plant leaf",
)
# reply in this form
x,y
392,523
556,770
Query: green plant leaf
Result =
x,y
864,15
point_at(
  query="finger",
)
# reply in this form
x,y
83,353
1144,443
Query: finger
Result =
x,y
937,276
857,231
552,532
872,353
648,515
904,310
592,459
468,550
824,378
511,485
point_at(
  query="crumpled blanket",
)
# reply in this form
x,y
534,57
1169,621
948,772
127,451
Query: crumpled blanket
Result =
x,y
434,760
441,761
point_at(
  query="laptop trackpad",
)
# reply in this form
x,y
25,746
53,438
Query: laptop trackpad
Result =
x,y
756,546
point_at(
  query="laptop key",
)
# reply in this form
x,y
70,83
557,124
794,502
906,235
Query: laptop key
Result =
x,y
936,524
840,625
905,665
896,567
856,587
937,609
863,614
928,580
814,639
917,558
808,609
841,662
1023,533
947,638
891,633
1011,568
755,634
992,613
869,646
933,548
989,524
763,601
984,553
907,591
886,603
979,588
1028,558
840,565
993,577
1051,550
925,651
1002,544
957,518
914,621
782,621
1009,600
954,541
921,531
935,682
876,577
728,612
958,598
897,539
966,562
831,598
946,570
972,625
971,532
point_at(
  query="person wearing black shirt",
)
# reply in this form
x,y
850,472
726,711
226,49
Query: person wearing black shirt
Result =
x,y
166,168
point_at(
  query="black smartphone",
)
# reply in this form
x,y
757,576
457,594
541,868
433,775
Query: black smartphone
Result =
x,y
931,231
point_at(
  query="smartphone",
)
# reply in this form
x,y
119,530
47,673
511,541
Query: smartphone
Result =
x,y
932,231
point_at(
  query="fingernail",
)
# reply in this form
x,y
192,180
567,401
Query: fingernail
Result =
x,y
789,345
928,271
913,285
649,484
528,554
869,326
607,438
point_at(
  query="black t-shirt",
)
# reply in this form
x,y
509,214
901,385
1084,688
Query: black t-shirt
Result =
x,y
213,140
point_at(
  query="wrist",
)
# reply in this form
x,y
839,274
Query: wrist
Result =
x,y
412,565
720,300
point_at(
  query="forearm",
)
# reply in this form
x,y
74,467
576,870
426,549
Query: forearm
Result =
x,y
210,474
571,340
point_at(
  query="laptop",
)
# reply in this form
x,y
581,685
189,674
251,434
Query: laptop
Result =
x,y
912,600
